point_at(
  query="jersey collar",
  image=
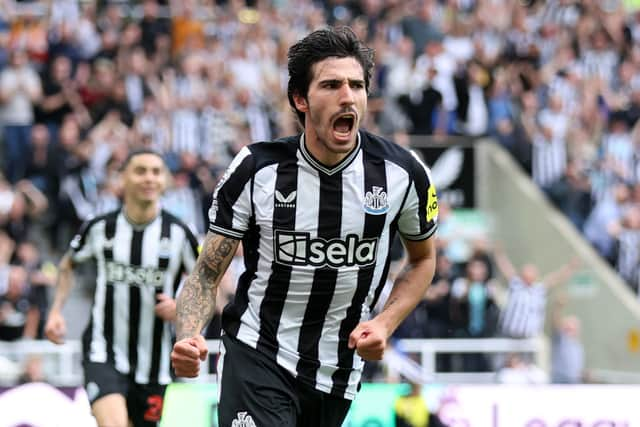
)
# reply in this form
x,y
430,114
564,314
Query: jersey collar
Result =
x,y
139,226
325,169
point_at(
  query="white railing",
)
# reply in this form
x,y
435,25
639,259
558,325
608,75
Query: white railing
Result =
x,y
62,362
427,349
397,361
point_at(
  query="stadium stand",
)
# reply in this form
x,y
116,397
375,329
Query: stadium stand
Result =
x,y
554,83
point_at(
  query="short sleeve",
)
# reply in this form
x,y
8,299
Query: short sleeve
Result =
x,y
419,215
189,250
80,248
231,207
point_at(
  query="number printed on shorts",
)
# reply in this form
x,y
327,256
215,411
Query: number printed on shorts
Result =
x,y
154,411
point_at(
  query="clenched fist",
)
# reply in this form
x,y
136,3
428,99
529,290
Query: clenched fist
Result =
x,y
369,339
187,355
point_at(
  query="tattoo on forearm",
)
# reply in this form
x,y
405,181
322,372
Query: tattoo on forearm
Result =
x,y
196,303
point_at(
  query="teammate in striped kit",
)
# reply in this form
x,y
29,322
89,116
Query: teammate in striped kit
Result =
x,y
141,254
316,214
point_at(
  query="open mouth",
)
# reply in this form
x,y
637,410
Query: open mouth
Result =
x,y
343,125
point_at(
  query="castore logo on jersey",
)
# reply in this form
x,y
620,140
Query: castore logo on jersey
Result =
x,y
288,201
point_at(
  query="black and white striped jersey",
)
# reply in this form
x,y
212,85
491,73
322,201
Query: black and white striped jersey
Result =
x,y
628,262
549,160
134,264
316,244
524,313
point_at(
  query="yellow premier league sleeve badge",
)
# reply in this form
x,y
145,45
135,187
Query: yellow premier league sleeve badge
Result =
x,y
432,203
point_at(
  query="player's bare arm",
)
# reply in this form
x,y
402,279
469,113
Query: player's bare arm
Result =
x,y
370,338
55,328
411,284
197,301
504,263
562,274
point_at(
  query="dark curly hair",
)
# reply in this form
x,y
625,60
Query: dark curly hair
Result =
x,y
317,46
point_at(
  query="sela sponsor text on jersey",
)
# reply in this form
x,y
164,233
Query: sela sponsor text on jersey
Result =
x,y
133,275
300,249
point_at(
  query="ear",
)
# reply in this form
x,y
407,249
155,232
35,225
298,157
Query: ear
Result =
x,y
301,103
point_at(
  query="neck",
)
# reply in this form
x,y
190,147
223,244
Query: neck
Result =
x,y
325,157
138,213
320,151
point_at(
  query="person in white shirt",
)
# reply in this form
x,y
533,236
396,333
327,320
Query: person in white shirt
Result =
x,y
19,88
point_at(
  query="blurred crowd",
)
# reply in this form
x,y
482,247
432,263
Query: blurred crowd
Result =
x,y
82,82
469,299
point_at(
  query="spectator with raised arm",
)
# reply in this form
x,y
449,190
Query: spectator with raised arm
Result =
x,y
523,315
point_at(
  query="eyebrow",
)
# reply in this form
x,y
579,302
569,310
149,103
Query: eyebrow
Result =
x,y
147,167
351,81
